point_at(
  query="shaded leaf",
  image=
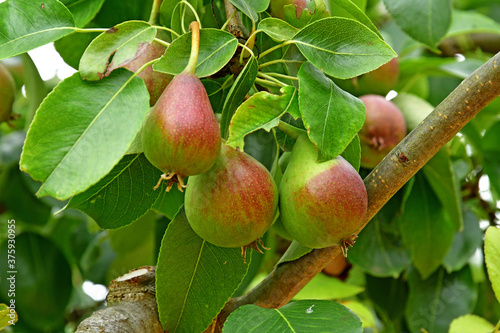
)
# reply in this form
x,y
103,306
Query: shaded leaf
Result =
x,y
277,29
491,254
300,316
441,177
425,21
83,10
489,144
251,7
426,228
261,111
72,47
124,42
217,47
379,250
342,47
237,93
187,297
465,243
363,312
75,140
124,195
26,25
433,303
352,153
331,116
169,203
42,284
465,22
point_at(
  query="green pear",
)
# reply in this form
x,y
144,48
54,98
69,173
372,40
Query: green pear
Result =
x,y
321,204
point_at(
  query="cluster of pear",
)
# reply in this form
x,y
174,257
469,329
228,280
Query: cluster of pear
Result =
x,y
231,199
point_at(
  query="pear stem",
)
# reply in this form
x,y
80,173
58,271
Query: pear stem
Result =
x,y
290,130
155,10
195,48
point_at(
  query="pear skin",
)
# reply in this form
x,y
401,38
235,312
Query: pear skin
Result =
x,y
321,204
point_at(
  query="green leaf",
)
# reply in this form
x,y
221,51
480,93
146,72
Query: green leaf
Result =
x,y
124,195
277,29
466,22
43,282
315,10
83,10
354,11
237,93
379,250
27,24
389,297
434,302
326,287
426,228
342,47
72,47
181,16
491,254
464,243
300,316
261,110
75,140
294,252
352,153
169,203
363,312
215,94
194,279
331,116
123,42
441,177
425,21
251,7
217,47
470,324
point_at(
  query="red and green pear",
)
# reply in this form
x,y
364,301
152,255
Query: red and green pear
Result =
x,y
321,204
234,203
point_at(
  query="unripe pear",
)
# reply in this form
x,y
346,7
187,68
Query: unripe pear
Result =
x,y
180,136
321,204
156,82
7,94
233,203
383,129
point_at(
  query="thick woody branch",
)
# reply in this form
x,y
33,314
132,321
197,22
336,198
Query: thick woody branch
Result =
x,y
131,306
235,26
409,156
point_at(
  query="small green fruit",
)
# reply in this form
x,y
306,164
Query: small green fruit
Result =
x,y
233,203
383,129
7,94
321,204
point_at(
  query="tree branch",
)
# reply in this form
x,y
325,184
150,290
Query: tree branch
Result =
x,y
131,306
409,156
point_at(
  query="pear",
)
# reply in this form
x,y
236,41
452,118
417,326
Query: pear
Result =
x,y
233,203
321,204
180,136
156,82
383,129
